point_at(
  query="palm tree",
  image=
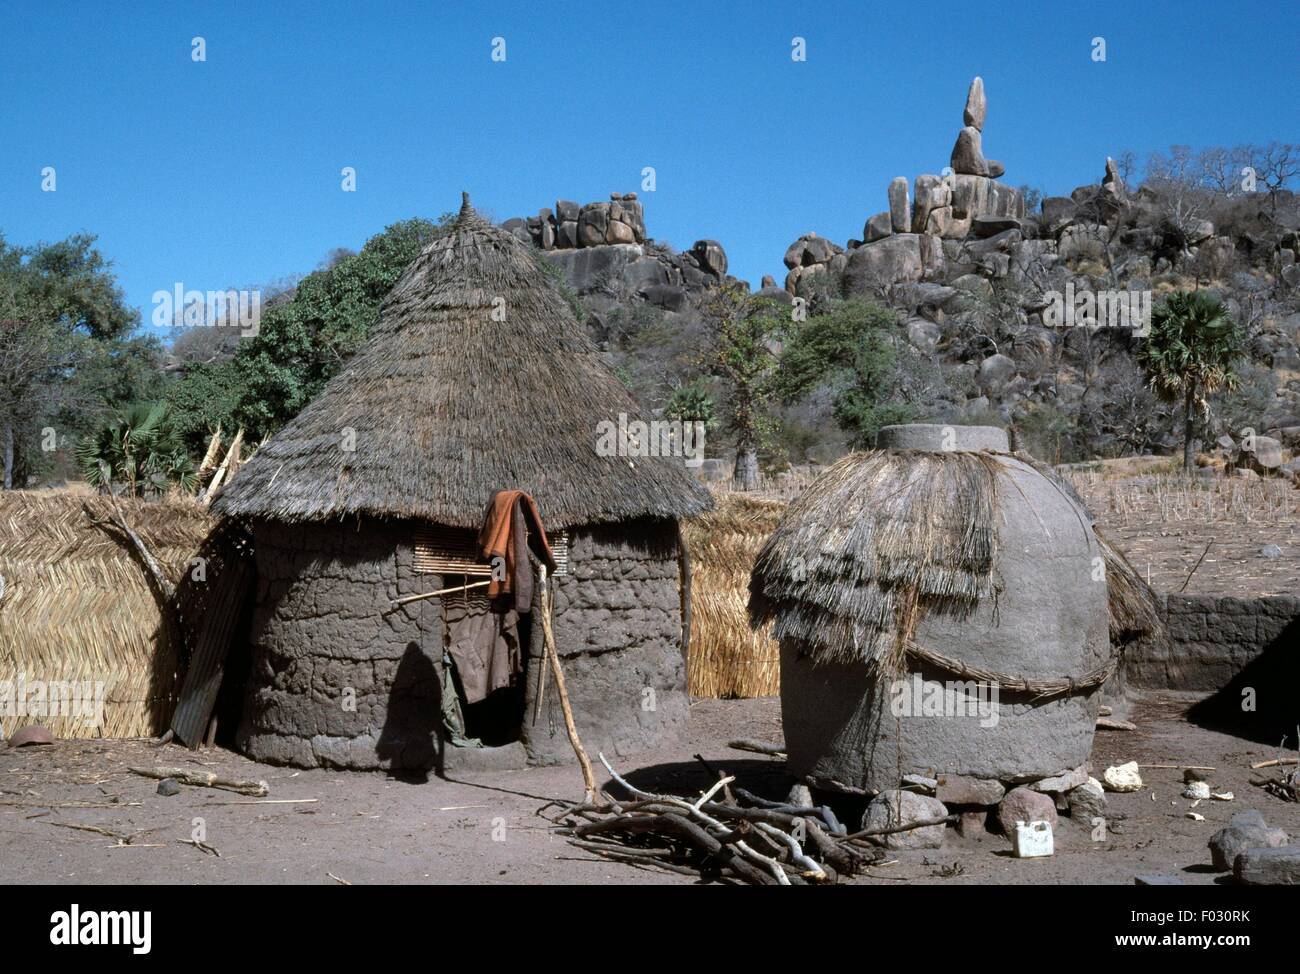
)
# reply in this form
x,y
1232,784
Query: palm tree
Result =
x,y
1190,353
138,450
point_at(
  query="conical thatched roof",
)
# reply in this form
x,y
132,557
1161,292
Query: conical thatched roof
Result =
x,y
448,405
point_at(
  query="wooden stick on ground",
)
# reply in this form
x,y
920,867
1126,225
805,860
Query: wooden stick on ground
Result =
x,y
256,789
588,779
758,747
1196,566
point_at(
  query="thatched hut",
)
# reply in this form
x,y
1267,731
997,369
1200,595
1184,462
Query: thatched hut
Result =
x,y
944,608
477,377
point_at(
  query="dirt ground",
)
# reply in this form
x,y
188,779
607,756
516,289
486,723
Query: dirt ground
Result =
x,y
1209,535
486,827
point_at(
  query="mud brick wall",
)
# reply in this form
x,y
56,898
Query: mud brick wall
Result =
x,y
324,623
618,630
1210,640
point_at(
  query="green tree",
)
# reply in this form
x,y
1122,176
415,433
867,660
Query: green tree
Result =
x,y
304,339
1190,353
853,345
68,355
691,403
743,333
138,450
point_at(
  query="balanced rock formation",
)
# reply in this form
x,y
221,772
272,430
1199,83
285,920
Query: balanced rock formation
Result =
x,y
966,202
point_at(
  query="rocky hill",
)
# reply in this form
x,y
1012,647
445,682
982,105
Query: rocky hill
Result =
x,y
1013,307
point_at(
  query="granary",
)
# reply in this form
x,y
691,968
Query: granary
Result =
x,y
944,608
477,378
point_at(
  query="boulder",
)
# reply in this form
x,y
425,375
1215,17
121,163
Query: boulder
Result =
x,y
618,232
1123,777
990,226
519,228
589,268
672,297
1022,804
939,223
593,221
1268,867
1245,830
878,227
957,789
923,335
1058,209
996,168
819,250
900,207
1199,231
711,257
566,234
931,193
994,373
1086,802
884,262
567,210
976,105
895,808
977,195
773,293
1265,458
1066,781
1080,242
968,154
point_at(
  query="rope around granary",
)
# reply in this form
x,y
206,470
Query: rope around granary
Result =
x,y
1039,688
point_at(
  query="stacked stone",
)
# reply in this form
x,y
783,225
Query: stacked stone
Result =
x,y
949,206
570,225
902,244
811,255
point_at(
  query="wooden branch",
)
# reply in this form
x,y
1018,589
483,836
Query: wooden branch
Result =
x,y
256,789
442,591
758,747
588,779
151,563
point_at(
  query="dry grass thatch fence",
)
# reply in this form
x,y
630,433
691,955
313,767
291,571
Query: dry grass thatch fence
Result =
x,y
727,658
78,608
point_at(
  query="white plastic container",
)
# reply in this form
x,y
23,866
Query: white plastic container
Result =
x,y
1032,840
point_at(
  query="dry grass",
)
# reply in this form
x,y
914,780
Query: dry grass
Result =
x,y
727,658
77,606
1166,522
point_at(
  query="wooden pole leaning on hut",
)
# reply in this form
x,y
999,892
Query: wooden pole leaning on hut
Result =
x,y
553,656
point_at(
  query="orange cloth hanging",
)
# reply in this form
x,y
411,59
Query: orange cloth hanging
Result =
x,y
512,525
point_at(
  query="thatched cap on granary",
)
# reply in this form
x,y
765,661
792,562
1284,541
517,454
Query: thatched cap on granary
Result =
x,y
883,537
477,377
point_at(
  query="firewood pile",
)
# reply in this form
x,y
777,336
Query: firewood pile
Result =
x,y
726,834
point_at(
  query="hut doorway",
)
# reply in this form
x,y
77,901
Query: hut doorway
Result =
x,y
485,657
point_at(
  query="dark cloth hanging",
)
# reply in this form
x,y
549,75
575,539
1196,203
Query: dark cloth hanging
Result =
x,y
484,645
512,526
483,635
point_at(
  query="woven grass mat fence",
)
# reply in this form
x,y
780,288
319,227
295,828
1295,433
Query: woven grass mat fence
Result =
x,y
78,609
726,657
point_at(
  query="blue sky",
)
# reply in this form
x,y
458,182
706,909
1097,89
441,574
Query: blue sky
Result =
x,y
227,173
